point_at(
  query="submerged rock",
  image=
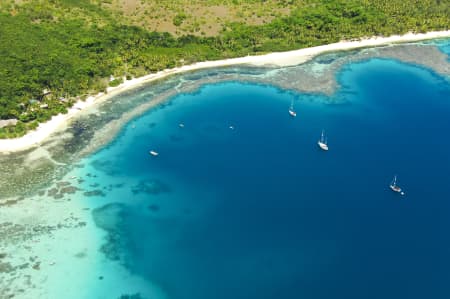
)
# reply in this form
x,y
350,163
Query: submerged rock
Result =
x,y
62,189
106,166
10,202
6,268
69,190
52,192
134,296
94,193
37,266
153,208
80,255
62,184
58,196
112,248
110,218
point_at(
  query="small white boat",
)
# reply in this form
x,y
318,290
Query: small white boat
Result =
x,y
323,143
292,113
394,187
231,127
154,153
291,110
181,125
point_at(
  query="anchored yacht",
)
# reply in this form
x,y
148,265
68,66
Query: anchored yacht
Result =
x,y
394,187
323,144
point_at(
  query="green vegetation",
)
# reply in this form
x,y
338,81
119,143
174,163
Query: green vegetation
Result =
x,y
178,19
72,47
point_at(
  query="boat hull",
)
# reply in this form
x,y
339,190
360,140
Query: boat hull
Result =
x,y
323,146
395,188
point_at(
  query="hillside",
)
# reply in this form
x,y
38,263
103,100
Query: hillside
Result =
x,y
72,47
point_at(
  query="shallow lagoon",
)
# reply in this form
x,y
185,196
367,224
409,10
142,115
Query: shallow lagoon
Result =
x,y
259,211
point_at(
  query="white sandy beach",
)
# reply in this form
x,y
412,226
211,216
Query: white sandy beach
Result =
x,y
275,59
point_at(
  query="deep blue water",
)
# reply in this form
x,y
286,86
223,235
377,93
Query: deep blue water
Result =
x,y
261,212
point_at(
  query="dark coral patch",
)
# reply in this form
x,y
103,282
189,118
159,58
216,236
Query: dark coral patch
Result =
x,y
152,187
153,208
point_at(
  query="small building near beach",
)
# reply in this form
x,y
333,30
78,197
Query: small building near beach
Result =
x,y
7,122
45,92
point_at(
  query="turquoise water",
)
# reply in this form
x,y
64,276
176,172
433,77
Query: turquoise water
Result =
x,y
258,211
443,46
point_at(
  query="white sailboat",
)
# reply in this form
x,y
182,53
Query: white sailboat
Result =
x,y
291,110
394,187
153,153
323,144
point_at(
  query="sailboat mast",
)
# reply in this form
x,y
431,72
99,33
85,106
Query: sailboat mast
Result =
x,y
394,181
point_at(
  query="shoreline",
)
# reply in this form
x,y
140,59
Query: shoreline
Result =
x,y
278,59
